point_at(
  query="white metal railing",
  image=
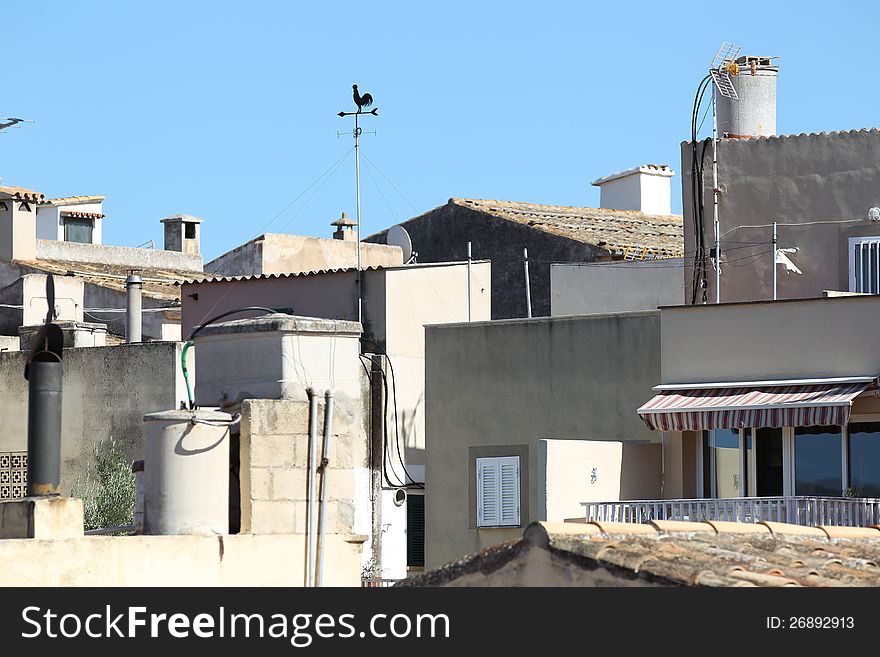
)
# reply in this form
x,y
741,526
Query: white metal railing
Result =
x,y
798,510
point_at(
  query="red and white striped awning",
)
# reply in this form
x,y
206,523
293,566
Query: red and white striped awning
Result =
x,y
804,405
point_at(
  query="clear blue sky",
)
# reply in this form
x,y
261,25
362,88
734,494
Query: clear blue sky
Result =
x,y
228,110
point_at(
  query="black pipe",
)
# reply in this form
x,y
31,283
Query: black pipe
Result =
x,y
44,425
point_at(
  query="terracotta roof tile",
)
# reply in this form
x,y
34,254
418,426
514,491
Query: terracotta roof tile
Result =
x,y
614,230
20,193
790,556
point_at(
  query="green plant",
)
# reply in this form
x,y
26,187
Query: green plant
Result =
x,y
107,490
853,491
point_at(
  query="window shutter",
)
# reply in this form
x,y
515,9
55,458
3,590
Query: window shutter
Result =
x,y
415,530
487,493
498,492
864,260
509,491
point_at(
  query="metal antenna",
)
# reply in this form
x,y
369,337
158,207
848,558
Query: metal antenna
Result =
x,y
10,121
723,66
362,102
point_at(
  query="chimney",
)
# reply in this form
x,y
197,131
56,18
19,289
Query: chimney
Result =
x,y
344,229
645,188
182,233
18,223
753,114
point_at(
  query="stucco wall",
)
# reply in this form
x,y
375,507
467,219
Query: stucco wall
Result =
x,y
442,234
279,253
107,391
583,289
117,255
765,341
29,291
796,179
240,560
512,383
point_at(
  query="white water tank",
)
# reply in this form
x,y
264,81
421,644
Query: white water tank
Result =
x,y
186,472
753,114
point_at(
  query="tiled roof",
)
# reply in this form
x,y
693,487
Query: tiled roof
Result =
x,y
74,200
653,169
83,215
158,283
614,230
22,194
314,272
696,553
800,135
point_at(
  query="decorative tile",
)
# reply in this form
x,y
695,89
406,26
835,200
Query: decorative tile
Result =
x,y
13,475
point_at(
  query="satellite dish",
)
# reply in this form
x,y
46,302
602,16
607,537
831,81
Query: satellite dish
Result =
x,y
397,236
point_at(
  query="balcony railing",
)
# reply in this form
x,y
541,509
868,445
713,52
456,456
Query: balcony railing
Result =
x,y
811,511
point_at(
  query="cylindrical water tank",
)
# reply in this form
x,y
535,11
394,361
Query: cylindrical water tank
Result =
x,y
753,114
186,472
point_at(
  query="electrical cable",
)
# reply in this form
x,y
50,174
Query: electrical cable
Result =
x,y
386,462
415,483
189,343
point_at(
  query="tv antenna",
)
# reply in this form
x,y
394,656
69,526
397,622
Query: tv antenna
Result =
x,y
362,103
10,122
723,67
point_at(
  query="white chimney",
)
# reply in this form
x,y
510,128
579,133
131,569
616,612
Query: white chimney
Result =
x,y
645,188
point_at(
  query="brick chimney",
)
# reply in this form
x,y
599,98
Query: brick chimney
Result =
x,y
645,188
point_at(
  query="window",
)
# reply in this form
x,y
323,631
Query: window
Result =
x,y
415,530
721,463
498,491
864,264
864,458
189,230
818,461
78,230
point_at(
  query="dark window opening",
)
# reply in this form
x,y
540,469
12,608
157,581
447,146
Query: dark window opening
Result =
x,y
415,530
78,230
189,230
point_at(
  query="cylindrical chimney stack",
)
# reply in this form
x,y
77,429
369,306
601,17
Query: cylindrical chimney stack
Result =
x,y
753,114
133,308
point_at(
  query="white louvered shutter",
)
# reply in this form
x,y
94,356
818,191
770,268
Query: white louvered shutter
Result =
x,y
498,492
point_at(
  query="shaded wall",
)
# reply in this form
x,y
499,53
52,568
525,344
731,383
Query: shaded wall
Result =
x,y
584,288
442,234
796,179
106,393
504,385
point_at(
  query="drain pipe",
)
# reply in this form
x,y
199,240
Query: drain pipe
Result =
x,y
310,502
133,314
325,452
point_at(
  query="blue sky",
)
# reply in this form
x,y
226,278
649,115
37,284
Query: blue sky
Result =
x,y
228,110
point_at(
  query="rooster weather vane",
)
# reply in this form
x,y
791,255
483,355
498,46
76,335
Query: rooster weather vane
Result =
x,y
362,102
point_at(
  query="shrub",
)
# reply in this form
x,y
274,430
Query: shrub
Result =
x,y
107,490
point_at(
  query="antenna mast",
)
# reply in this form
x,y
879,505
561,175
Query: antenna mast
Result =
x,y
723,65
362,102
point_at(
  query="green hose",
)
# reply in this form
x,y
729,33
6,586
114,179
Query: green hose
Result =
x,y
183,351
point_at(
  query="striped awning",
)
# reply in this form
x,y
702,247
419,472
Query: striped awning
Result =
x,y
700,408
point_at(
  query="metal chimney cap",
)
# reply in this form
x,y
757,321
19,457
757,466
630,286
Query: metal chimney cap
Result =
x,y
133,279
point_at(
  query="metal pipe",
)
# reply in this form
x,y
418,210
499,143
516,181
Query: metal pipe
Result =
x,y
528,291
310,501
469,281
325,453
774,261
357,174
716,224
133,308
44,426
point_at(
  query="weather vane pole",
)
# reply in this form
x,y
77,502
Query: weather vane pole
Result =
x,y
362,103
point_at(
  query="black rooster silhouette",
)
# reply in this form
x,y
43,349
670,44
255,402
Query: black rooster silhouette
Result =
x,y
361,101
